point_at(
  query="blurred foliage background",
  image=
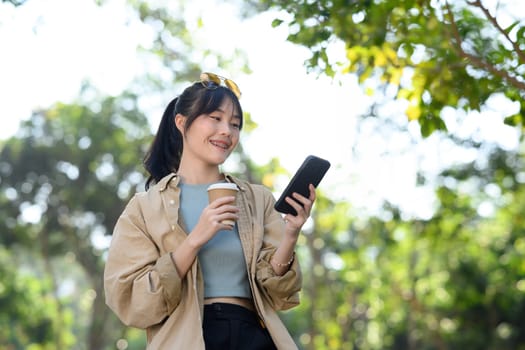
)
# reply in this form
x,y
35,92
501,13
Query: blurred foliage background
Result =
x,y
381,280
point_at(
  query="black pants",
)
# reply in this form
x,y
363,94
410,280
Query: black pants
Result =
x,y
233,327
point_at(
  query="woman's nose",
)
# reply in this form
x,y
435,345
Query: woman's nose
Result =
x,y
225,128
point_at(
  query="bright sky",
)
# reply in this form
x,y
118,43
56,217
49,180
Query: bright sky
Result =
x,y
75,40
49,46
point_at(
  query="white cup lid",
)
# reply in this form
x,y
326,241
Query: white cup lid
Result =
x,y
223,185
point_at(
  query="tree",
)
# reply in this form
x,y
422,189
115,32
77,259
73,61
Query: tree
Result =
x,y
431,54
61,173
454,280
29,314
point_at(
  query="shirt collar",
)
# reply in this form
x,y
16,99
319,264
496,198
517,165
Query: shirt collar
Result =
x,y
163,184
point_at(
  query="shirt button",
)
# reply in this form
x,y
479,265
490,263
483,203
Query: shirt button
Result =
x,y
172,202
173,227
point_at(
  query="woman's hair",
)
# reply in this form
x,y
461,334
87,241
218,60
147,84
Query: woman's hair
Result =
x,y
163,156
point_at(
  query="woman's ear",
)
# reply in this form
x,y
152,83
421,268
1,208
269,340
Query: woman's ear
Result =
x,y
180,122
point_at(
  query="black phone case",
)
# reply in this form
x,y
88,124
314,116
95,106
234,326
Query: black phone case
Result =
x,y
312,172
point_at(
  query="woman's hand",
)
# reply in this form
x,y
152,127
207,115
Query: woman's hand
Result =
x,y
295,223
283,257
208,225
210,221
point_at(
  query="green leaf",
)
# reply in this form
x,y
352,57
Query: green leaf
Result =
x,y
509,28
277,22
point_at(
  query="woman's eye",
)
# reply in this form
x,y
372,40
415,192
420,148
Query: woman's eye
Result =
x,y
236,125
215,118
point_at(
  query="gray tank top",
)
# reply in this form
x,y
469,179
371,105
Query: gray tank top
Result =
x,y
221,259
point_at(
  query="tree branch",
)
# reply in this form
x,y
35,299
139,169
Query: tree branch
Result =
x,y
494,21
477,61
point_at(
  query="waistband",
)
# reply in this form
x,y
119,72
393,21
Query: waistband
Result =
x,y
231,311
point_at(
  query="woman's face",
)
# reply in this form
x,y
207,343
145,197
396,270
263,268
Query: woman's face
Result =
x,y
211,137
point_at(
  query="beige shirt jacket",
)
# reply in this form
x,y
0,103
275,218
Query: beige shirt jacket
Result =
x,y
145,291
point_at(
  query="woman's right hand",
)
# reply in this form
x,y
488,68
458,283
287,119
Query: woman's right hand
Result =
x,y
208,225
210,221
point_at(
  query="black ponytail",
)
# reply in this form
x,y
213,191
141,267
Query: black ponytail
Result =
x,y
163,156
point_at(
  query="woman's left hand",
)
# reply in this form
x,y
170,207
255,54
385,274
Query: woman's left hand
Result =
x,y
295,223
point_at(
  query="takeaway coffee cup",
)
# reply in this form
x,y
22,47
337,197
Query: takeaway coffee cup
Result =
x,y
222,189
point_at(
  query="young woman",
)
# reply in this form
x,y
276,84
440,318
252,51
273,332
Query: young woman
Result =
x,y
173,268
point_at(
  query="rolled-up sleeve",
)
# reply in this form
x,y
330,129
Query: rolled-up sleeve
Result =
x,y
282,292
141,286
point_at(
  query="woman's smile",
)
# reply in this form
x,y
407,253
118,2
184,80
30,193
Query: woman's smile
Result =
x,y
221,144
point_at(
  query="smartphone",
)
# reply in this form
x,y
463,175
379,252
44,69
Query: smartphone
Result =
x,y
312,172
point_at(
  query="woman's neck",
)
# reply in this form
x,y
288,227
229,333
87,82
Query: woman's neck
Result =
x,y
199,175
